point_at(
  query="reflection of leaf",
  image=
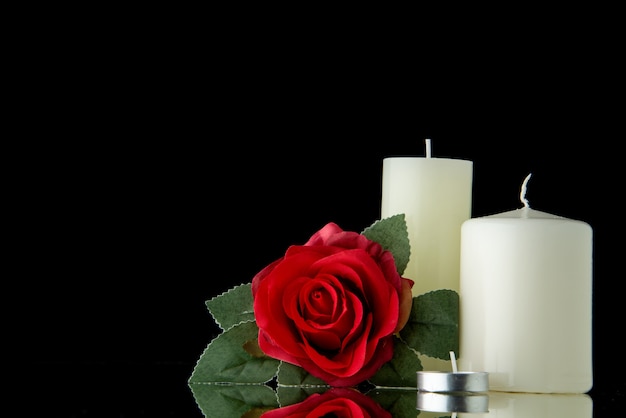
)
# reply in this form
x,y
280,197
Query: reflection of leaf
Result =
x,y
401,403
289,395
433,327
233,307
234,401
392,235
295,384
400,371
226,360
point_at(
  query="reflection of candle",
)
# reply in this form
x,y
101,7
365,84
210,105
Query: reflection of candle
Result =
x,y
534,405
435,195
452,402
525,301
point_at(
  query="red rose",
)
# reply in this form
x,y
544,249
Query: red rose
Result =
x,y
331,306
335,402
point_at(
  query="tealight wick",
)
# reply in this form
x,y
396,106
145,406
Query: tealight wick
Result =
x,y
427,148
453,360
522,194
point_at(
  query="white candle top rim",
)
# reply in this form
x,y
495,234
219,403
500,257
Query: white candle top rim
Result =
x,y
417,157
525,214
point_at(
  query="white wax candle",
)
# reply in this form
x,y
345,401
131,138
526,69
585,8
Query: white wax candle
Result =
x,y
525,301
435,194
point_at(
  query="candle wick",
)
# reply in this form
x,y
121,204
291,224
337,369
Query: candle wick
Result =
x,y
453,360
522,194
427,148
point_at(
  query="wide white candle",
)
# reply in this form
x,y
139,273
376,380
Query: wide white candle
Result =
x,y
435,195
525,301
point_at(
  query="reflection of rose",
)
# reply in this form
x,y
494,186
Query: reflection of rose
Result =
x,y
335,402
331,306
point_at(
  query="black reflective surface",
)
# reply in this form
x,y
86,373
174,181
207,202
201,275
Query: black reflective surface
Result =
x,y
116,390
161,390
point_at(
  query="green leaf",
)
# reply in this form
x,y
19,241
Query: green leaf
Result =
x,y
233,401
392,234
433,326
292,375
232,307
401,370
227,360
400,403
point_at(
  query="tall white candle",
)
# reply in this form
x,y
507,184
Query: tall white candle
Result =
x,y
435,195
525,301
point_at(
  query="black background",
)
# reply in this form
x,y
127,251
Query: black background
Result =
x,y
160,171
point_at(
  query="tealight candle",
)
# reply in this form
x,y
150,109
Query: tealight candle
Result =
x,y
526,300
457,381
